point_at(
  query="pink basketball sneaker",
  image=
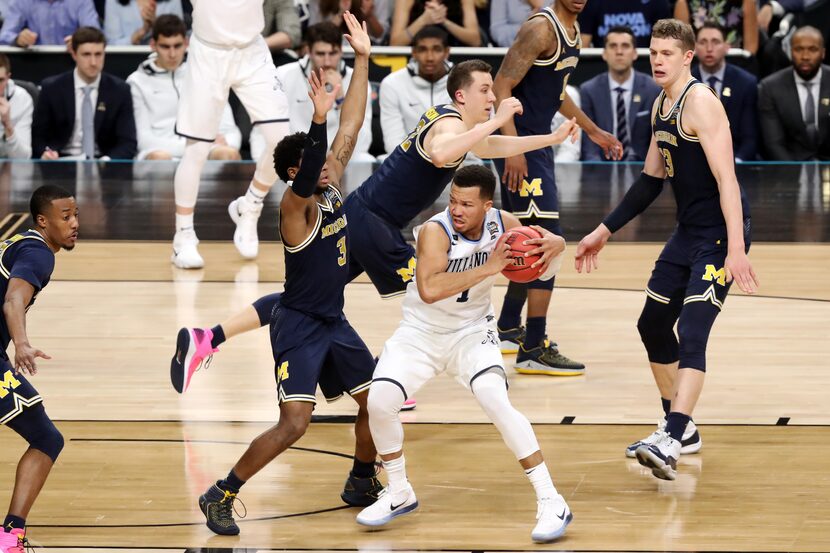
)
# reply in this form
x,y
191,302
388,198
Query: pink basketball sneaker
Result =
x,y
12,542
193,347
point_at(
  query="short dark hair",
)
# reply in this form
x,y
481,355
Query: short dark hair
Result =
x,y
324,31
432,31
712,24
5,62
288,153
84,35
622,29
168,25
43,197
461,76
480,176
676,29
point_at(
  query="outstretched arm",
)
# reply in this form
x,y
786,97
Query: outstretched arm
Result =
x,y
353,110
18,296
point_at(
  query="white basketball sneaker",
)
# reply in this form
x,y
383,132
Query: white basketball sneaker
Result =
x,y
553,516
186,251
387,507
246,217
661,456
691,442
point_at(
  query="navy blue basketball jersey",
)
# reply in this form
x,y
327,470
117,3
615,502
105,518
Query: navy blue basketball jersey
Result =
x,y
695,187
317,270
407,182
542,90
25,256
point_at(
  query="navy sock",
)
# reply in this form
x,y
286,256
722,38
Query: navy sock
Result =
x,y
535,331
13,522
676,424
511,310
231,483
363,470
218,336
666,406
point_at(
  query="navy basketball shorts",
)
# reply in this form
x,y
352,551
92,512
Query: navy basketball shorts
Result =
x,y
537,197
16,393
691,266
309,351
379,249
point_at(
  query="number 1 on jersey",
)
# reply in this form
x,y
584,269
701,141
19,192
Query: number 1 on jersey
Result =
x,y
465,295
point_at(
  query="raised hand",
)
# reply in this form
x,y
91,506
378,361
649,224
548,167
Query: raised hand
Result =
x,y
568,129
322,99
507,109
358,36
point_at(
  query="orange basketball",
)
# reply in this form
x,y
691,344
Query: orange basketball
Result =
x,y
520,270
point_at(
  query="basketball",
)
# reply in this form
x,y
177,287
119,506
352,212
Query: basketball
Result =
x,y
520,270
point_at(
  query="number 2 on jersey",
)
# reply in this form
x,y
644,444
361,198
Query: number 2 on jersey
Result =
x,y
341,245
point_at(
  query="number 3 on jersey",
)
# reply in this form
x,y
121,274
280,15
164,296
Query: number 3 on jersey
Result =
x,y
341,245
669,163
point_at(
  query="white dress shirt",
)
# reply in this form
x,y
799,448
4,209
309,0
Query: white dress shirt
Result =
x,y
75,146
719,74
802,93
628,85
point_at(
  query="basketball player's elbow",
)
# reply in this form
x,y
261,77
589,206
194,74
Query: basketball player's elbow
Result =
x,y
428,292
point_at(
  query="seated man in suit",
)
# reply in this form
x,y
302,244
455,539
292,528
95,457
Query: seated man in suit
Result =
x,y
84,113
620,101
736,88
795,103
155,87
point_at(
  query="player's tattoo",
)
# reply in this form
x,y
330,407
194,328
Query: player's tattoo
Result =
x,y
344,153
534,39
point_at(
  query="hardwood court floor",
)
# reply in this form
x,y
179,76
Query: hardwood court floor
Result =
x,y
138,454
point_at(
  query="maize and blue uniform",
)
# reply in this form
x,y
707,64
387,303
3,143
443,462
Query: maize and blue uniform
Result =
x,y
541,91
25,256
311,339
404,185
690,270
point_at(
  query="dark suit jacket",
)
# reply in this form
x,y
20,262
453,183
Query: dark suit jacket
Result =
x,y
598,103
739,96
54,117
782,123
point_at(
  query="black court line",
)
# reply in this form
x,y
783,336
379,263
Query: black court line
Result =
x,y
179,524
638,290
349,419
180,441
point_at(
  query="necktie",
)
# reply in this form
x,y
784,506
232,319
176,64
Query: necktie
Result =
x,y
622,121
88,125
810,112
713,84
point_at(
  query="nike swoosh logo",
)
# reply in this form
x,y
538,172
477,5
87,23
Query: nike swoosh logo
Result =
x,y
562,516
393,507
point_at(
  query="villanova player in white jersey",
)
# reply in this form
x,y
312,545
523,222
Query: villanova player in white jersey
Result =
x,y
448,325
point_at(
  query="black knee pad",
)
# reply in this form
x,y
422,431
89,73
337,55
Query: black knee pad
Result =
x,y
35,426
553,226
694,326
265,306
656,327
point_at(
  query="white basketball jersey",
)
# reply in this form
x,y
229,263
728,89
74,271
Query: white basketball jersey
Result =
x,y
228,22
472,306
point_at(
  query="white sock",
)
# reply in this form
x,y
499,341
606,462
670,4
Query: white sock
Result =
x,y
184,222
396,470
541,480
254,196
